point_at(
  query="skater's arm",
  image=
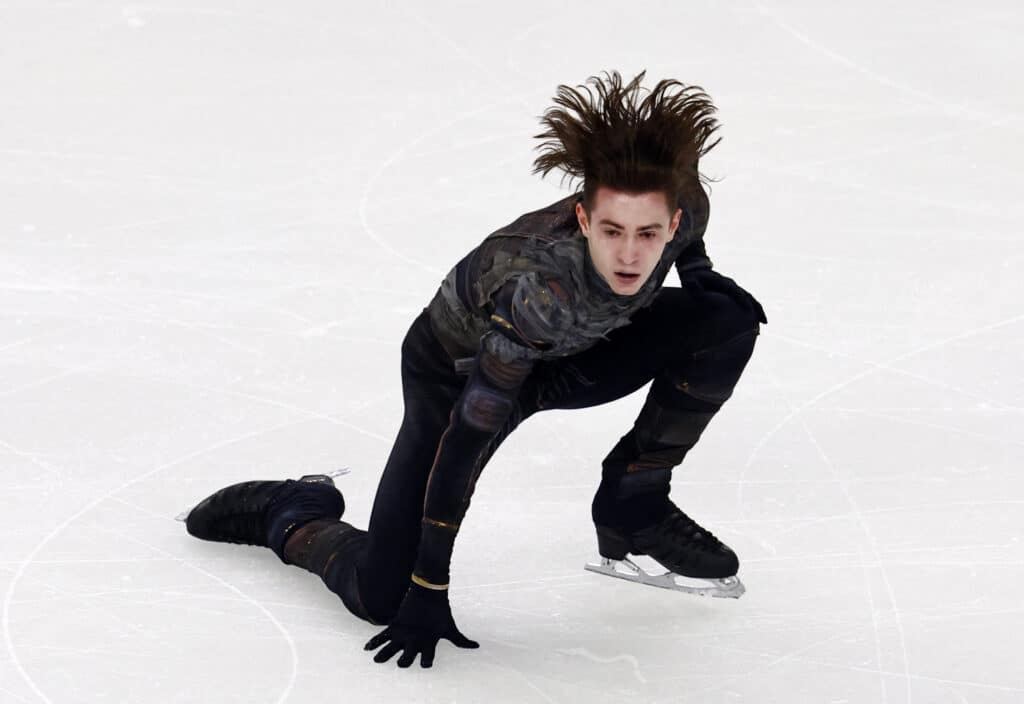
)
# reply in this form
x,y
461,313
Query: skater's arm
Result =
x,y
695,268
696,209
528,316
424,616
478,415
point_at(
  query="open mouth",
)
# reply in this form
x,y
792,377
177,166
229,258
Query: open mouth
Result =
x,y
626,278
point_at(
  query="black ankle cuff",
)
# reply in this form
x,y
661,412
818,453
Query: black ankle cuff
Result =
x,y
633,514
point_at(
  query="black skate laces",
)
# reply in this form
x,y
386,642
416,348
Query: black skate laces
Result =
x,y
246,519
678,523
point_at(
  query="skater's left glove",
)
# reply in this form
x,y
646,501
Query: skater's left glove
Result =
x,y
424,617
702,281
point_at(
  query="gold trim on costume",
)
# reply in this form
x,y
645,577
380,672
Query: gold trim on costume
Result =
x,y
429,585
641,466
498,319
441,524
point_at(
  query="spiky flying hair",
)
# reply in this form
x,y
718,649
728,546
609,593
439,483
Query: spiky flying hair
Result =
x,y
651,146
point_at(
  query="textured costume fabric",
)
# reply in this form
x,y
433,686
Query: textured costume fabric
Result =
x,y
524,323
693,348
549,246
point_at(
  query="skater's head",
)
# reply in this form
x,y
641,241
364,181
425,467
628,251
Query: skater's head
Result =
x,y
626,234
637,159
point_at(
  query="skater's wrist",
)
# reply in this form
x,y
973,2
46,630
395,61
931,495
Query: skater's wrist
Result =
x,y
423,604
434,553
427,584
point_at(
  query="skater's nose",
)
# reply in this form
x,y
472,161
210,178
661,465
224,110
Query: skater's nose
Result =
x,y
628,252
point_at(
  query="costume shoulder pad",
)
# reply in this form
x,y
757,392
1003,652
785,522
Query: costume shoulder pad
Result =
x,y
533,311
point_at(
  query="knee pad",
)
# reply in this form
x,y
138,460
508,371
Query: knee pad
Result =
x,y
678,426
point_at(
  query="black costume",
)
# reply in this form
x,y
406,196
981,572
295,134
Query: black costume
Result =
x,y
524,323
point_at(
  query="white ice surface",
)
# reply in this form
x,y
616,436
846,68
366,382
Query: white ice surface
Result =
x,y
201,207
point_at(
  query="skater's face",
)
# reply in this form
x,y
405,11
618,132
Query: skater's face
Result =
x,y
626,233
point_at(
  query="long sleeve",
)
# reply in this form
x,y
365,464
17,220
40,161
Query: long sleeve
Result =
x,y
526,317
691,258
696,211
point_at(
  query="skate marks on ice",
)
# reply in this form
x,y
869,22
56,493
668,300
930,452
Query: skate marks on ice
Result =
x,y
989,117
29,559
858,512
795,416
631,660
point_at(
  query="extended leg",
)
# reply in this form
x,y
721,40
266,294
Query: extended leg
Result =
x,y
370,570
332,550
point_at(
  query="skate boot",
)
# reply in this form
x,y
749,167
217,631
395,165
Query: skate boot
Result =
x,y
697,562
264,513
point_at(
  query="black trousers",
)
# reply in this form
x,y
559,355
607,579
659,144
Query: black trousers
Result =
x,y
693,349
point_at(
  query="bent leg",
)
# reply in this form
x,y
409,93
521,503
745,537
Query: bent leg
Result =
x,y
694,350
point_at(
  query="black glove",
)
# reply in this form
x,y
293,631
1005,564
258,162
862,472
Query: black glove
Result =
x,y
701,281
423,618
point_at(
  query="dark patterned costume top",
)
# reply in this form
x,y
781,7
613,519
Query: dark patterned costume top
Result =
x,y
528,292
544,253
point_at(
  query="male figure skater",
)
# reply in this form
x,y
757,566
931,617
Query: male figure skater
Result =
x,y
562,308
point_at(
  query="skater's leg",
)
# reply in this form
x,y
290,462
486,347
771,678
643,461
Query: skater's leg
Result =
x,y
430,388
703,353
332,550
370,570
694,350
394,530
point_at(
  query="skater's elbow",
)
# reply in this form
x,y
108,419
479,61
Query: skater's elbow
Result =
x,y
485,409
494,384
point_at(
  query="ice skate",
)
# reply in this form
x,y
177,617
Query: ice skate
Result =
x,y
696,561
264,513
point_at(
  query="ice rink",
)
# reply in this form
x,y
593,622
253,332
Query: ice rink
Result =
x,y
218,220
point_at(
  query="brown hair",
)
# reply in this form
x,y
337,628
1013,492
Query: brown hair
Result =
x,y
653,146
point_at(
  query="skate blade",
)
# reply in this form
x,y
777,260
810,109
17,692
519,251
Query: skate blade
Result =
x,y
324,478
321,478
726,587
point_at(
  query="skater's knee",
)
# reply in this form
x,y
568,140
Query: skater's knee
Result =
x,y
734,313
490,392
710,374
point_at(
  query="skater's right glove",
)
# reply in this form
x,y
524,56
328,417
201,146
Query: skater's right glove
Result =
x,y
424,617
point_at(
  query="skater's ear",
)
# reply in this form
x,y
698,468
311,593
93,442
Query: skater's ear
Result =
x,y
582,219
